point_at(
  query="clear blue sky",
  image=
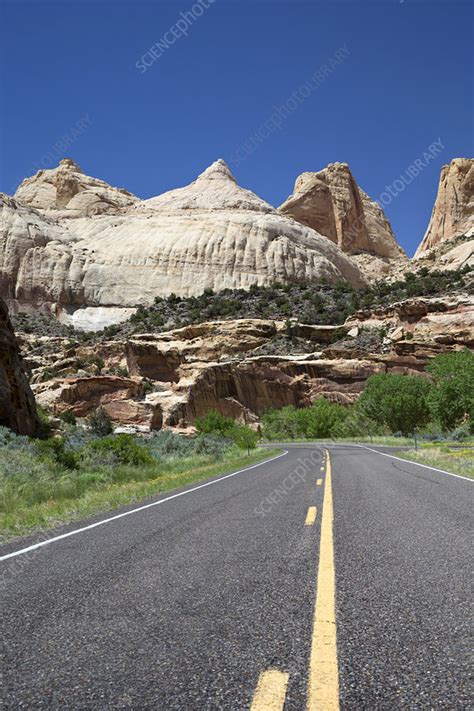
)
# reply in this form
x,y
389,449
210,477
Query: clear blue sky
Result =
x,y
408,80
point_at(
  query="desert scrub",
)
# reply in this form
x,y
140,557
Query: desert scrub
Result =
x,y
46,482
167,445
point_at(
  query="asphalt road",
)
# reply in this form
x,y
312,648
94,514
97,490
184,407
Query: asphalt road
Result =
x,y
184,604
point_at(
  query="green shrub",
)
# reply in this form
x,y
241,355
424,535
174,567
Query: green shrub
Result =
x,y
44,429
22,465
56,450
281,424
461,433
68,417
322,419
216,424
117,449
213,423
166,444
213,446
244,437
100,423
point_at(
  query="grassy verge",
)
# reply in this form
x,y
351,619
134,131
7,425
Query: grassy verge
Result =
x,y
132,484
455,460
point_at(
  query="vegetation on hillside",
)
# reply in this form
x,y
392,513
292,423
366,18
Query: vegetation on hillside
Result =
x,y
320,303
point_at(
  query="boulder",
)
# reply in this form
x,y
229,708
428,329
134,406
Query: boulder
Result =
x,y
122,398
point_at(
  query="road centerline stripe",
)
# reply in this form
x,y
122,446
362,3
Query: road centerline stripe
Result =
x,y
319,482
271,691
323,676
310,516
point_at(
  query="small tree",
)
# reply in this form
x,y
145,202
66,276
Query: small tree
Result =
x,y
100,423
244,437
398,401
322,419
451,400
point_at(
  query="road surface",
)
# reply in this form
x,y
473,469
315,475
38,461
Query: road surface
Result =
x,y
310,581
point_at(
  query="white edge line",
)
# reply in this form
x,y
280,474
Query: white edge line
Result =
x,y
140,508
410,461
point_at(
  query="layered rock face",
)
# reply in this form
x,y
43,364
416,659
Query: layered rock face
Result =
x,y
444,320
71,242
453,211
68,190
218,365
122,399
17,405
332,203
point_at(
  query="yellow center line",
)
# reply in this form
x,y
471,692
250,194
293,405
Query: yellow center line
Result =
x,y
270,692
323,677
319,482
311,516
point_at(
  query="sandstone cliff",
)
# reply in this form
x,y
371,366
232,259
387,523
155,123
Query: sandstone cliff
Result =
x,y
56,250
453,211
332,203
17,405
222,365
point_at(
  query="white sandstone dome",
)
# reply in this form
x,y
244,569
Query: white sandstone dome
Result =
x,y
209,234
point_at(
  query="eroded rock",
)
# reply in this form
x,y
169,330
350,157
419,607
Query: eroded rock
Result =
x,y
17,405
61,247
331,202
453,211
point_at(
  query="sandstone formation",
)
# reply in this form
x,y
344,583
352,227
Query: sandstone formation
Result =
x,y
68,190
73,246
446,320
190,370
453,211
332,203
121,398
59,251
17,405
453,254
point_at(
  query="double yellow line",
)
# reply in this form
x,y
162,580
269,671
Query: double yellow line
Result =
x,y
323,676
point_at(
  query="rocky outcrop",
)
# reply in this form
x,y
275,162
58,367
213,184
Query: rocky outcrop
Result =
x,y
68,190
59,249
159,356
332,203
453,211
246,389
223,365
122,398
445,256
17,405
448,320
